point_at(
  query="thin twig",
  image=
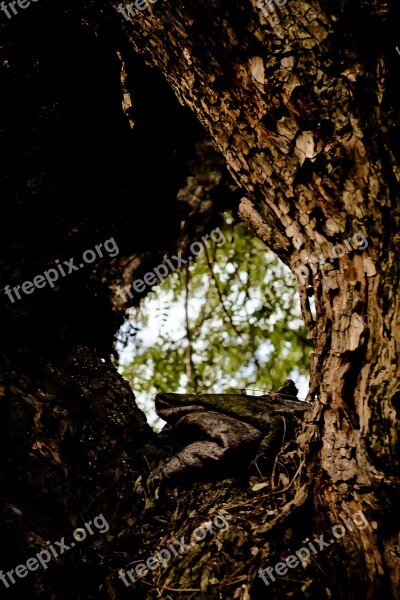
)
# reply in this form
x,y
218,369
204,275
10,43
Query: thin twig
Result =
x,y
161,587
190,368
232,582
294,477
211,269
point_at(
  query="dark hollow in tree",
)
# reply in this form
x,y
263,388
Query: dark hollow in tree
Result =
x,y
100,117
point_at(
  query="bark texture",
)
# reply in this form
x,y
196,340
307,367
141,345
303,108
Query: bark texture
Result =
x,y
303,106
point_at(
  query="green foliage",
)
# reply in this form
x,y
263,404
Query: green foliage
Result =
x,y
242,327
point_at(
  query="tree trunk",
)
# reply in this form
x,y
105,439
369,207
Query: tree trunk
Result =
x,y
303,106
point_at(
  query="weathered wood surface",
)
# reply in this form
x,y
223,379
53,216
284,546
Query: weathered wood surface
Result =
x,y
303,106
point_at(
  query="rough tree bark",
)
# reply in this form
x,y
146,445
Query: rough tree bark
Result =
x,y
303,106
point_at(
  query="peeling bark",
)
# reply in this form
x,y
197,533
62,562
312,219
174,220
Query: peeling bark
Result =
x,y
303,106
